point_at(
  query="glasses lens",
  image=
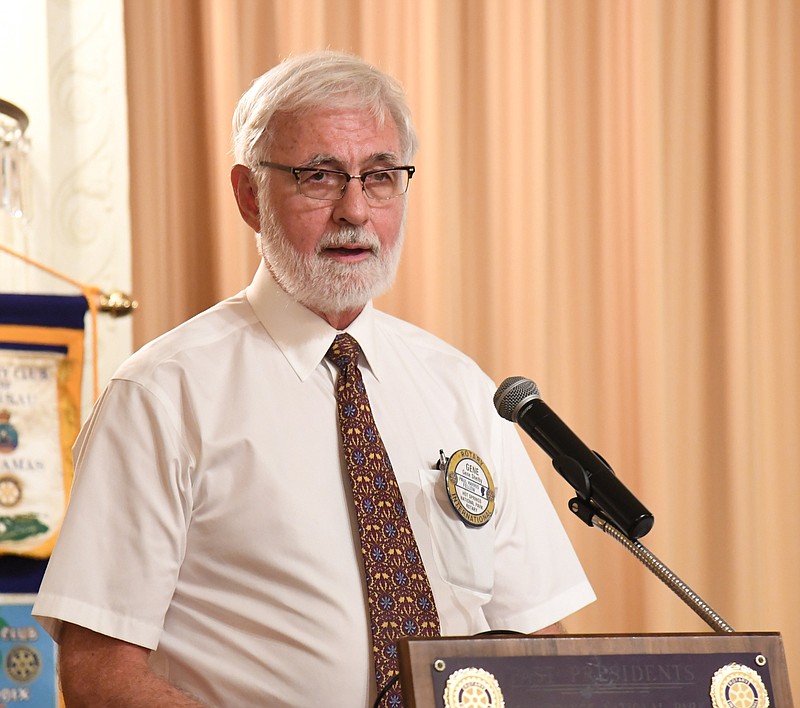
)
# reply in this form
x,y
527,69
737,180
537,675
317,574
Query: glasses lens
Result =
x,y
386,184
321,184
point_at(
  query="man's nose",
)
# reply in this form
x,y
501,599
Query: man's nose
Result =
x,y
353,207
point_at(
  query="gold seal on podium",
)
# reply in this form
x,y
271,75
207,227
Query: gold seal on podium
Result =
x,y
738,686
472,688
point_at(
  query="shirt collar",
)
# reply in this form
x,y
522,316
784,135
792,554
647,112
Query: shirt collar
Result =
x,y
302,336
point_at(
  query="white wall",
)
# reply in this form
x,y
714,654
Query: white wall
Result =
x,y
63,63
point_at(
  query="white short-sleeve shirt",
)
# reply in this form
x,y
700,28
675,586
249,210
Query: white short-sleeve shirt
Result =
x,y
210,518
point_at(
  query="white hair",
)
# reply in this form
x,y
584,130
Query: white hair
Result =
x,y
324,79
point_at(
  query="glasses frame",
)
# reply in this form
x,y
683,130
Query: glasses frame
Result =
x,y
298,171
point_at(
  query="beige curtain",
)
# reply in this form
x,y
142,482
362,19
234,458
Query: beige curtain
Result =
x,y
606,202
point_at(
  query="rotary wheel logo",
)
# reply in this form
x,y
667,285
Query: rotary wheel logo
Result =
x,y
738,686
10,491
473,688
23,664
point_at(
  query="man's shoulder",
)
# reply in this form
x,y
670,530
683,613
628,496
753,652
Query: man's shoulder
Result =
x,y
392,326
196,341
422,343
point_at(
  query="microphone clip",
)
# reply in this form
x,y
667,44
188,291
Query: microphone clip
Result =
x,y
580,480
572,471
585,511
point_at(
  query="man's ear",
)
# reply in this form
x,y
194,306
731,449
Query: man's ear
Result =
x,y
246,197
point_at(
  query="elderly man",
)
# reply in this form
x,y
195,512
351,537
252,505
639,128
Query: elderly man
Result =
x,y
273,493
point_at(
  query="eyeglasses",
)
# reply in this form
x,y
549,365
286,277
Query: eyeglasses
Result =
x,y
316,183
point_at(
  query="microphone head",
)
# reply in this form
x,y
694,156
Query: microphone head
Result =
x,y
513,394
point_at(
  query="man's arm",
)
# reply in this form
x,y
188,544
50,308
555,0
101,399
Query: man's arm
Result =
x,y
97,670
556,628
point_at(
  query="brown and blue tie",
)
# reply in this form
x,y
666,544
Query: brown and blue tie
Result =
x,y
398,592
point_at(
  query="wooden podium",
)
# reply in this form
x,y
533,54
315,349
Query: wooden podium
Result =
x,y
595,671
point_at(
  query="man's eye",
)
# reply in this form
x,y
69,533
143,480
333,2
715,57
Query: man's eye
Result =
x,y
318,176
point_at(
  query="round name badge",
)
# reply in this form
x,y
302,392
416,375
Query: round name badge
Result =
x,y
470,488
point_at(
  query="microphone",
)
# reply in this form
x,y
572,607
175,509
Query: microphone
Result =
x,y
518,400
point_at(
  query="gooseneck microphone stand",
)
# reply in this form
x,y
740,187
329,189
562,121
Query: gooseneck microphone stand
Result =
x,y
590,515
610,507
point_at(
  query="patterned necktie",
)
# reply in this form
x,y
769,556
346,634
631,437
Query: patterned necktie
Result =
x,y
399,594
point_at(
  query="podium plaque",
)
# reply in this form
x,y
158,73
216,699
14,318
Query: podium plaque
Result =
x,y
733,670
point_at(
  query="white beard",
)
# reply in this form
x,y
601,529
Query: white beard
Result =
x,y
320,283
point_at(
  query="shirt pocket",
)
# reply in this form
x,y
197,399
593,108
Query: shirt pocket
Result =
x,y
464,555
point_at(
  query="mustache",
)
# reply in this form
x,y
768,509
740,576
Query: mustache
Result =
x,y
349,236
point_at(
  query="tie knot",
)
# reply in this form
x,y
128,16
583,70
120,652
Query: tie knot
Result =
x,y
345,349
